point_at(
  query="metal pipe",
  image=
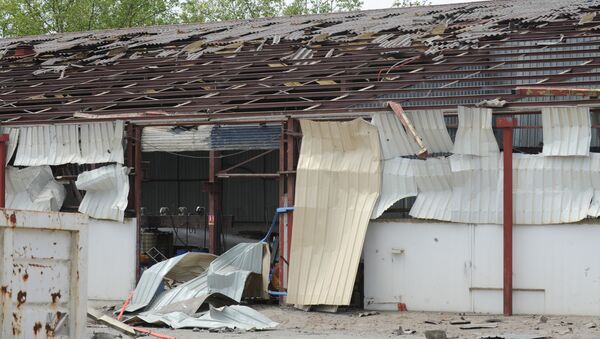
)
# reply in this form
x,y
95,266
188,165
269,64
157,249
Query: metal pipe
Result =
x,y
3,141
507,125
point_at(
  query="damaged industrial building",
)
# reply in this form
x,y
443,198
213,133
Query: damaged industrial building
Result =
x,y
320,161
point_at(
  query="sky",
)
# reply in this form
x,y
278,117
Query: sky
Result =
x,y
373,4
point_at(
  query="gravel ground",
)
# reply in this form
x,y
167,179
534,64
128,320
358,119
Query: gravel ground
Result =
x,y
347,324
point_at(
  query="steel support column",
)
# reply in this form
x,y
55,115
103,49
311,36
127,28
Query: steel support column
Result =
x,y
507,125
137,191
3,141
282,201
214,200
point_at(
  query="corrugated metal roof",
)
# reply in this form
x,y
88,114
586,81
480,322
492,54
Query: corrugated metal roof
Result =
x,y
107,189
48,145
398,182
431,127
392,136
567,131
474,135
245,137
338,182
102,142
233,317
434,182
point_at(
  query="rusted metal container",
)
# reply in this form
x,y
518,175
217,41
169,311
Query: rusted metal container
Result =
x,y
43,273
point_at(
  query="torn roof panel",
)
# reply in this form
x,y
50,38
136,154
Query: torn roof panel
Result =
x,y
431,127
106,189
393,138
474,135
231,67
398,182
434,183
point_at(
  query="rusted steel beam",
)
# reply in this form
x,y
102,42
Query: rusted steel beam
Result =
x,y
507,125
137,191
557,91
3,145
214,201
262,154
408,126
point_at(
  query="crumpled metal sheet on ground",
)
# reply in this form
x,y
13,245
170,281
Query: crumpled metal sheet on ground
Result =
x,y
434,183
431,127
34,189
176,268
567,131
242,270
106,189
338,182
398,182
232,317
474,135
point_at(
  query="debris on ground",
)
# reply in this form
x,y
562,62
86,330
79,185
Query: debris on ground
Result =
x,y
459,322
110,322
478,326
590,325
199,290
435,334
102,335
367,314
543,319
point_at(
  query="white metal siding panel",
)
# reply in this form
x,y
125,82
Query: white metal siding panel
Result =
x,y
339,177
477,190
434,182
102,142
392,136
431,127
551,190
107,189
594,210
567,130
13,139
398,182
474,135
48,145
169,139
34,189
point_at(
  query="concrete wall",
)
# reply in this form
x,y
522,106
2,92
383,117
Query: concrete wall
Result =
x,y
433,266
111,259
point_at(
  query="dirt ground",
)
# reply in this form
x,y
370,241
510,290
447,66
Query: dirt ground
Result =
x,y
348,324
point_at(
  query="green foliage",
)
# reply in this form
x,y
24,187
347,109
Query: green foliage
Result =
x,y
27,17
411,3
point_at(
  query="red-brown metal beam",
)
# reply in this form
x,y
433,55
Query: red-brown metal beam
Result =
x,y
292,128
507,125
282,201
3,145
557,91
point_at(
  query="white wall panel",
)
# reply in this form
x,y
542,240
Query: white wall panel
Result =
x,y
474,135
434,266
434,183
567,130
398,182
431,127
394,140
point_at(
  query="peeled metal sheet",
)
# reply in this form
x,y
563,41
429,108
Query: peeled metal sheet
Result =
x,y
48,145
34,189
476,189
152,278
567,131
474,135
431,127
176,139
594,210
394,140
106,189
434,182
552,190
230,275
398,182
232,317
102,142
338,182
